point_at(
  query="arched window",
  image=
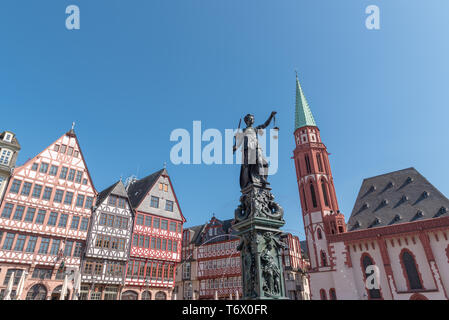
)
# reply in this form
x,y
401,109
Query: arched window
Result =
x,y
323,259
332,294
37,292
323,294
323,187
320,164
366,262
57,293
129,295
146,295
312,192
160,296
318,233
411,270
308,168
305,199
298,166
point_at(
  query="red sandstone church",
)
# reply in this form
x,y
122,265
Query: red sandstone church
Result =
x,y
395,244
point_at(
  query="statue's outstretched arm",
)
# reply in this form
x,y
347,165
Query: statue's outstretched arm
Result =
x,y
266,123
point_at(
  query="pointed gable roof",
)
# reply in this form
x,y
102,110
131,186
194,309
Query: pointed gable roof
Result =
x,y
139,189
117,189
303,114
394,198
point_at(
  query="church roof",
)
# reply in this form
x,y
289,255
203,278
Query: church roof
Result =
x,y
139,189
303,114
397,197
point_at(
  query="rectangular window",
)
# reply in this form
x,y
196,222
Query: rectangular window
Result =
x,y
147,242
103,218
43,249
43,168
76,153
124,223
161,186
164,224
122,203
164,244
63,220
114,243
37,190
41,273
169,205
29,217
148,221
158,244
26,189
31,246
75,223
9,239
139,220
154,202
179,227
156,223
20,242
70,151
84,224
173,226
56,147
53,170
169,245
80,200
99,241
34,166
58,196
78,249
88,203
18,214
112,200
52,219
79,176
106,241
121,244
153,243
55,247
63,174
47,193
110,220
68,198
141,241
71,176
63,148
136,240
175,246
15,186
40,216
68,248
7,210
84,181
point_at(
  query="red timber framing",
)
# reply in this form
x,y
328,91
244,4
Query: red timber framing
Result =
x,y
219,270
45,214
156,239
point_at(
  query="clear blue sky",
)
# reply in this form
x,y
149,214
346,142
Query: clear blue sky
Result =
x,y
139,69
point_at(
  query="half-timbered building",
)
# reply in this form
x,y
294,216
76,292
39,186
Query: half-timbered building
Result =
x,y
108,244
156,240
44,219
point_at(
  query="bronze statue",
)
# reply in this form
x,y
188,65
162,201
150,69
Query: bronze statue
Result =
x,y
254,168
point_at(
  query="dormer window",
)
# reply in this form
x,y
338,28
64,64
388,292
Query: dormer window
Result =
x,y
8,137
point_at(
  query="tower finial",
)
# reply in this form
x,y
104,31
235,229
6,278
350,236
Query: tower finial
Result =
x,y
165,165
73,125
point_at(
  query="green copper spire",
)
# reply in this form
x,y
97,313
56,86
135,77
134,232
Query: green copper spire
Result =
x,y
303,115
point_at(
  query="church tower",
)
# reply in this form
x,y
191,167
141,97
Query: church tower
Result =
x,y
321,215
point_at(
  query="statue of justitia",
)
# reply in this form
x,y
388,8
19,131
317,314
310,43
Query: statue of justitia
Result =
x,y
254,168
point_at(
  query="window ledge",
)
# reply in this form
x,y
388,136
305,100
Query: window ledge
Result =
x,y
417,291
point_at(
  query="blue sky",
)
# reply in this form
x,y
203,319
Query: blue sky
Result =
x,y
136,70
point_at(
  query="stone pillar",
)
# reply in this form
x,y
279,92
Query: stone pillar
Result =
x,y
258,222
